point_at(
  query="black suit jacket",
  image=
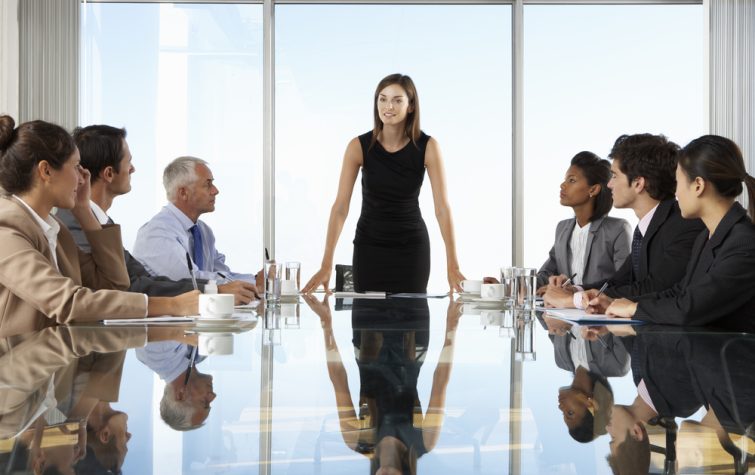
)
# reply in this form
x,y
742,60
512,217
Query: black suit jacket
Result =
x,y
666,249
141,281
719,285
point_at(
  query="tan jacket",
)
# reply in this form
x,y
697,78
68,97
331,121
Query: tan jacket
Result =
x,y
34,294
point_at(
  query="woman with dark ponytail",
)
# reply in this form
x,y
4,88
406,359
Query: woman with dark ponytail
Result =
x,y
719,286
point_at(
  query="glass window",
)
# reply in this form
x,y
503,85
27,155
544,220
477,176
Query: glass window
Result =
x,y
329,59
184,79
593,73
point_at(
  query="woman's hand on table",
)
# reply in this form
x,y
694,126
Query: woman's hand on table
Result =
x,y
454,280
322,277
622,308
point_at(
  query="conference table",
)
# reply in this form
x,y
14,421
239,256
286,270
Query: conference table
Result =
x,y
325,385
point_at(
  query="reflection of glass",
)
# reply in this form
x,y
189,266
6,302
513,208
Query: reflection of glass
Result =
x,y
525,340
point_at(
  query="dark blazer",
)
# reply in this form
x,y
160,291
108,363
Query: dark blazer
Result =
x,y
719,285
606,250
141,281
666,249
607,357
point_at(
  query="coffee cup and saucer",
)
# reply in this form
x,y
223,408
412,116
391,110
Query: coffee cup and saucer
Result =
x,y
216,309
470,288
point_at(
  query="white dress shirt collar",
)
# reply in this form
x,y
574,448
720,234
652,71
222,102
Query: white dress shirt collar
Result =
x,y
645,221
185,221
50,228
101,216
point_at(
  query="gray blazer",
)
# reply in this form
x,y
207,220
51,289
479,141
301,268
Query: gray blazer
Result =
x,y
608,246
141,280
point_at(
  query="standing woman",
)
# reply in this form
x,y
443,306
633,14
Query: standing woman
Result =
x,y
391,246
718,286
43,276
591,246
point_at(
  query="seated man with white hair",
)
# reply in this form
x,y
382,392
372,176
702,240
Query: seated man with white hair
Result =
x,y
163,243
188,393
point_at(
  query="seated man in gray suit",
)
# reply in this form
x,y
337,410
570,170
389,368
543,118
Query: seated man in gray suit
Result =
x,y
105,153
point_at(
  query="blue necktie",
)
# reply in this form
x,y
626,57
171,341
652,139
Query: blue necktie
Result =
x,y
196,233
636,248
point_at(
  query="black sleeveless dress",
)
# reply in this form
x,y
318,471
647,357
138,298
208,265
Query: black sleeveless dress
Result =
x,y
391,246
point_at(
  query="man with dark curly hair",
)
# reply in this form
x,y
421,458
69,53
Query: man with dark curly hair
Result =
x,y
643,179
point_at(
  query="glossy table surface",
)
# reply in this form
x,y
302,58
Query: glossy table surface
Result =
x,y
340,386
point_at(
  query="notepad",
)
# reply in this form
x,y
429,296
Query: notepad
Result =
x,y
580,317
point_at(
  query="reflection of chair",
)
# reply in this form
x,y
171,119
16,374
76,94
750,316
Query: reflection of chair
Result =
x,y
669,425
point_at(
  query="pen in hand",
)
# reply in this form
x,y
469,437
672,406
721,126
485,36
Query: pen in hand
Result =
x,y
568,281
602,288
191,271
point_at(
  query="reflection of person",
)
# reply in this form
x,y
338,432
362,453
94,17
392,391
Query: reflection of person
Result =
x,y
592,246
391,246
57,377
43,275
163,242
717,287
105,153
591,356
642,179
188,393
390,342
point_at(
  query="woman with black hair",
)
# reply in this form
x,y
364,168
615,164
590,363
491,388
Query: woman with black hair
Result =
x,y
718,285
591,246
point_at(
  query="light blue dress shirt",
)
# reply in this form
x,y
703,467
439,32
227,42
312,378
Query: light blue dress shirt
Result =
x,y
169,359
162,243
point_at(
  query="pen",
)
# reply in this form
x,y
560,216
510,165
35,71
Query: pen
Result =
x,y
191,271
568,281
602,288
267,255
222,276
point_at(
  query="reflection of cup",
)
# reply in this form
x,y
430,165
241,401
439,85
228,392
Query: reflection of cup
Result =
x,y
470,309
288,288
471,286
211,344
293,273
273,272
216,305
525,282
492,291
491,317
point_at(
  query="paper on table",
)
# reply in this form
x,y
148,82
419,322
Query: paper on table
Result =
x,y
579,316
359,295
164,320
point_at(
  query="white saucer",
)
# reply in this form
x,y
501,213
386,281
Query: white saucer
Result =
x,y
489,299
224,320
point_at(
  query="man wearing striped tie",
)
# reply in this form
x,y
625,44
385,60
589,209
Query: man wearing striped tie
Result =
x,y
105,153
642,179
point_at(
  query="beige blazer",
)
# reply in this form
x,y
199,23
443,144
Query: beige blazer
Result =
x,y
34,294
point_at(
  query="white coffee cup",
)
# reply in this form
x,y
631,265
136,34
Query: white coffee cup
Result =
x,y
216,305
211,344
288,287
471,286
492,291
